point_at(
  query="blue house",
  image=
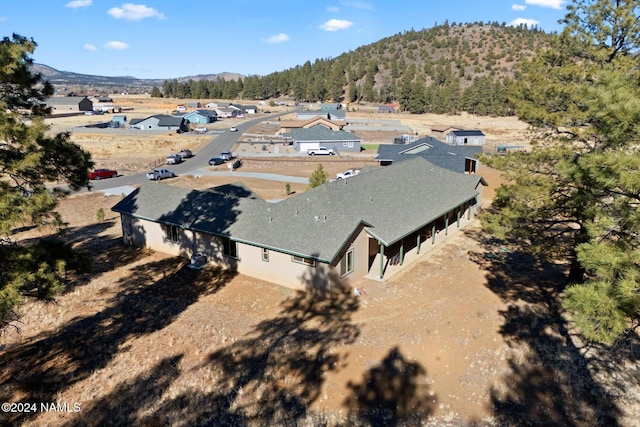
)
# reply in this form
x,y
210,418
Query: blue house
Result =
x,y
201,117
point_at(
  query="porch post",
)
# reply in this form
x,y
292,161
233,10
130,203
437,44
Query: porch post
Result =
x,y
469,212
418,245
446,225
401,251
458,218
433,234
381,260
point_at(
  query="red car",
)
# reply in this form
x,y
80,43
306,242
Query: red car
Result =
x,y
102,173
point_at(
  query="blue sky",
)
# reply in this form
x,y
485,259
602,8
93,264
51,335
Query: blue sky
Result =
x,y
170,39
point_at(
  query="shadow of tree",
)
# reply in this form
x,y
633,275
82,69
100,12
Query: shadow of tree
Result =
x,y
151,296
394,392
551,381
274,374
124,404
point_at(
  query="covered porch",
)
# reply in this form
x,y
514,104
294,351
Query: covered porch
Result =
x,y
387,260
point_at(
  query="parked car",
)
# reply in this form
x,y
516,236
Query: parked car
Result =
x,y
216,161
227,155
321,151
200,130
173,159
185,153
233,129
102,173
348,173
158,174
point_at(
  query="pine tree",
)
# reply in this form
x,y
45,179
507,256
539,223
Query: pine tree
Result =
x,y
318,177
577,194
29,160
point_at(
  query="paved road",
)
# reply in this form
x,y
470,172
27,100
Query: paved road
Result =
x,y
220,143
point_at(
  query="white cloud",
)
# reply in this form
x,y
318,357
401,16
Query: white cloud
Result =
x,y
336,25
333,9
89,47
134,12
115,45
528,22
78,3
278,38
357,4
518,7
554,4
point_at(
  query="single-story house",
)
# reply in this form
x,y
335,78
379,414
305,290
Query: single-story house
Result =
x,y
330,106
160,122
461,159
211,105
201,117
194,104
441,131
226,112
288,125
69,104
333,115
466,137
244,109
367,225
118,120
321,136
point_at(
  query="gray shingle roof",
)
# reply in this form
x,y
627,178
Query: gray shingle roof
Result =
x,y
320,133
450,157
391,202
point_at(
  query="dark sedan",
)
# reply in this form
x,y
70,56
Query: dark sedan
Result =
x,y
216,161
102,173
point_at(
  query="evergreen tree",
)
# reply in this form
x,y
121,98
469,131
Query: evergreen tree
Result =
x,y
577,194
29,160
318,177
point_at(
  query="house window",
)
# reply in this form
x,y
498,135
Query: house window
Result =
x,y
172,233
229,248
303,260
265,254
346,263
350,144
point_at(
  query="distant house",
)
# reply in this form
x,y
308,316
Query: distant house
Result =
x,y
118,120
226,112
160,122
103,103
288,125
320,136
194,104
466,137
201,117
244,109
370,225
333,115
442,130
211,105
69,104
386,109
461,159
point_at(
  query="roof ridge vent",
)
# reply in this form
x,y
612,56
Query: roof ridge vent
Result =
x,y
317,218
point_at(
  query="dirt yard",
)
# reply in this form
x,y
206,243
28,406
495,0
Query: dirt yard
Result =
x,y
470,334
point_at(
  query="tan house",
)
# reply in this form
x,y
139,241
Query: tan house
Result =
x,y
368,225
288,125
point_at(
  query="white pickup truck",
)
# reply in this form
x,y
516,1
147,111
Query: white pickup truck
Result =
x,y
348,173
321,151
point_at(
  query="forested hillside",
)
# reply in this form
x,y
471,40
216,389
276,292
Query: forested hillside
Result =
x,y
444,69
